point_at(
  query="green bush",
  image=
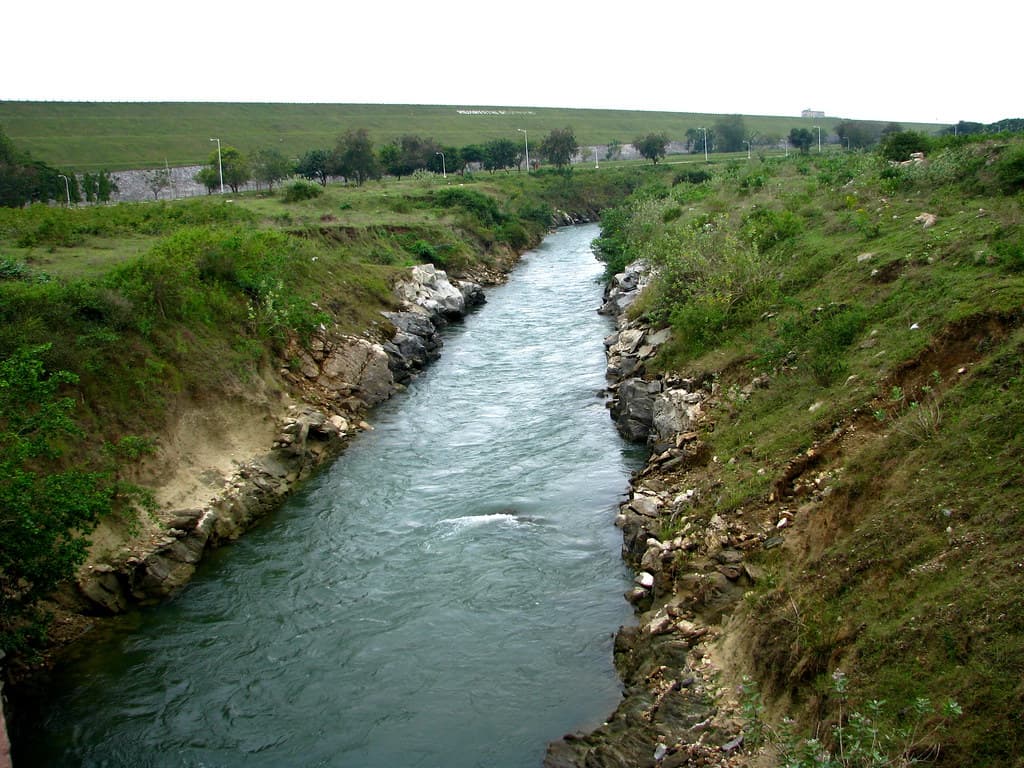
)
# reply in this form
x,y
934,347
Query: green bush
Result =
x,y
765,229
300,190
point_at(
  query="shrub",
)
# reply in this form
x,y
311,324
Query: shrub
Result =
x,y
300,190
764,228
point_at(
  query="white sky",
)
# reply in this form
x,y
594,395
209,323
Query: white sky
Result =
x,y
899,60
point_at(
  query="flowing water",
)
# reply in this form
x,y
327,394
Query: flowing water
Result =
x,y
444,595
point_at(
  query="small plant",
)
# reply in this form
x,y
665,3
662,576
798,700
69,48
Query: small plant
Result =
x,y
858,740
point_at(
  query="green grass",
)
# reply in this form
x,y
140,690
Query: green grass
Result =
x,y
909,340
92,136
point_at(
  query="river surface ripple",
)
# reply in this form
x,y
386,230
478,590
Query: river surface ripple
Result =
x,y
444,595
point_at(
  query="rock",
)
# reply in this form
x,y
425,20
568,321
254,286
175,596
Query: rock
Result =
x,y
633,408
645,579
430,289
926,220
674,412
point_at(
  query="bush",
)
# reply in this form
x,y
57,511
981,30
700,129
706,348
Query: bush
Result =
x,y
691,177
300,190
765,229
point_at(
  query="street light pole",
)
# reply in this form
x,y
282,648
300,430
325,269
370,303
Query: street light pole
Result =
x,y
748,149
526,138
67,188
220,166
705,130
819,137
444,170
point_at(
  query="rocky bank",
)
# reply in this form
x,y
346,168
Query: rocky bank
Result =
x,y
331,384
677,709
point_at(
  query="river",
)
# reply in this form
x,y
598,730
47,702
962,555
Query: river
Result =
x,y
443,595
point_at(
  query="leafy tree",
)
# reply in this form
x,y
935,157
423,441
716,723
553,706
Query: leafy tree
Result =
x,y
559,147
653,146
696,138
899,146
270,166
209,178
471,153
614,151
157,181
314,165
801,138
500,154
44,515
354,158
859,133
730,133
24,180
98,187
235,166
410,154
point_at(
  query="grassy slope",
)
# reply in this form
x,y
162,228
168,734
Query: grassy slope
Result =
x,y
93,136
891,430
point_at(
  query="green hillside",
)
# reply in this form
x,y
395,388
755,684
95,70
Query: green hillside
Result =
x,y
86,136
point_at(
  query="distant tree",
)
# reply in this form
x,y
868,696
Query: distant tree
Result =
x,y
413,152
314,164
698,139
472,153
354,157
859,133
209,178
614,151
235,165
500,154
653,146
157,181
891,128
801,138
899,146
269,166
730,133
24,180
106,187
559,147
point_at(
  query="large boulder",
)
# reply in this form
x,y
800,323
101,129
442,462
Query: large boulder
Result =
x,y
429,289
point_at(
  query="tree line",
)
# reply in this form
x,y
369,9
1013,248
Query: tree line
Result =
x,y
355,159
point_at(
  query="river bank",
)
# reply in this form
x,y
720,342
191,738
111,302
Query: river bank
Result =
x,y
464,596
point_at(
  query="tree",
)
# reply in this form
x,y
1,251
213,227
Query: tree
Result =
x,y
698,139
157,181
270,166
614,151
24,180
653,146
235,166
209,178
354,158
45,509
500,154
730,133
559,147
314,165
472,153
99,187
411,153
901,145
801,138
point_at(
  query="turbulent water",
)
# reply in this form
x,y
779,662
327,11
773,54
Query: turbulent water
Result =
x,y
444,595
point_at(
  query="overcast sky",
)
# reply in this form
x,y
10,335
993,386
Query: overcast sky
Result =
x,y
867,59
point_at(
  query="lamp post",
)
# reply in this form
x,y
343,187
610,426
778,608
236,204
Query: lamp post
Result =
x,y
597,159
819,137
526,139
220,166
847,143
748,149
705,131
67,188
444,170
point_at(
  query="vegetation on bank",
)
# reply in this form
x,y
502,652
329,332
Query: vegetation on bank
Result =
x,y
112,317
883,297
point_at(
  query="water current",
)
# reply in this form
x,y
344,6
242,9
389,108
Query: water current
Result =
x,y
444,595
